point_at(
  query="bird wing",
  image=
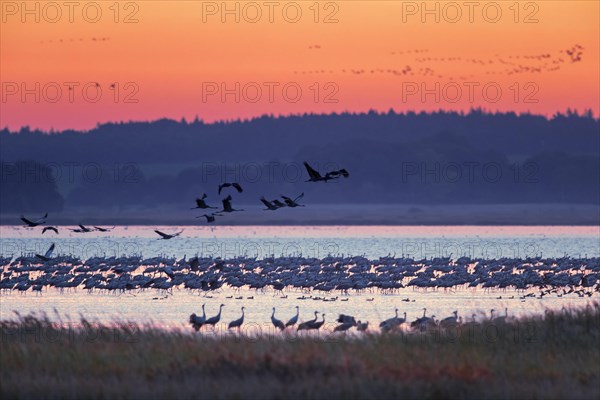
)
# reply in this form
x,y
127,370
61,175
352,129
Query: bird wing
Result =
x,y
83,227
237,187
278,203
50,250
162,234
28,222
178,233
286,198
299,197
267,203
314,174
204,196
338,173
224,185
199,202
330,175
43,218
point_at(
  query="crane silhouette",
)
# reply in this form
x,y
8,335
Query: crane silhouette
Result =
x,y
48,254
214,320
201,203
32,224
346,319
270,205
100,229
294,319
235,185
277,323
197,321
293,203
392,323
167,236
450,321
317,325
50,228
227,205
389,320
362,326
307,325
210,218
315,176
278,203
238,322
82,229
344,326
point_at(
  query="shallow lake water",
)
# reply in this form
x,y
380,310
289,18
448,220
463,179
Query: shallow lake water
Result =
x,y
173,310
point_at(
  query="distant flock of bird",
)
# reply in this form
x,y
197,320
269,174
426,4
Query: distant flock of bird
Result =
x,y
28,223
498,65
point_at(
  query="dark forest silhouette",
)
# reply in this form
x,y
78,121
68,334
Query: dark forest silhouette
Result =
x,y
412,158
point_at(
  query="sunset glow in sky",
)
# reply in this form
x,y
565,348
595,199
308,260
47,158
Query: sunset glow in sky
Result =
x,y
87,63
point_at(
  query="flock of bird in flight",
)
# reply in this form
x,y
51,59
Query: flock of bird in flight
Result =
x,y
314,176
506,65
93,39
272,205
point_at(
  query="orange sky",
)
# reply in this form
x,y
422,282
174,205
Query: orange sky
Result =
x,y
370,55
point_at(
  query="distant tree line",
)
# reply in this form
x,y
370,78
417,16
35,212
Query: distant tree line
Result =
x,y
411,158
28,186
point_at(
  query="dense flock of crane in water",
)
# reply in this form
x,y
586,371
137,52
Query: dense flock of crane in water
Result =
x,y
317,279
331,274
342,275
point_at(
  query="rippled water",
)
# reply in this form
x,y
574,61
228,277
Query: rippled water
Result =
x,y
373,242
313,241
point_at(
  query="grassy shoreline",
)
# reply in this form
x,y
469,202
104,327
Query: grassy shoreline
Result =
x,y
556,355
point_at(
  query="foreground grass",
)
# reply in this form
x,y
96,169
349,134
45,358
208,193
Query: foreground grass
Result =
x,y
556,355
